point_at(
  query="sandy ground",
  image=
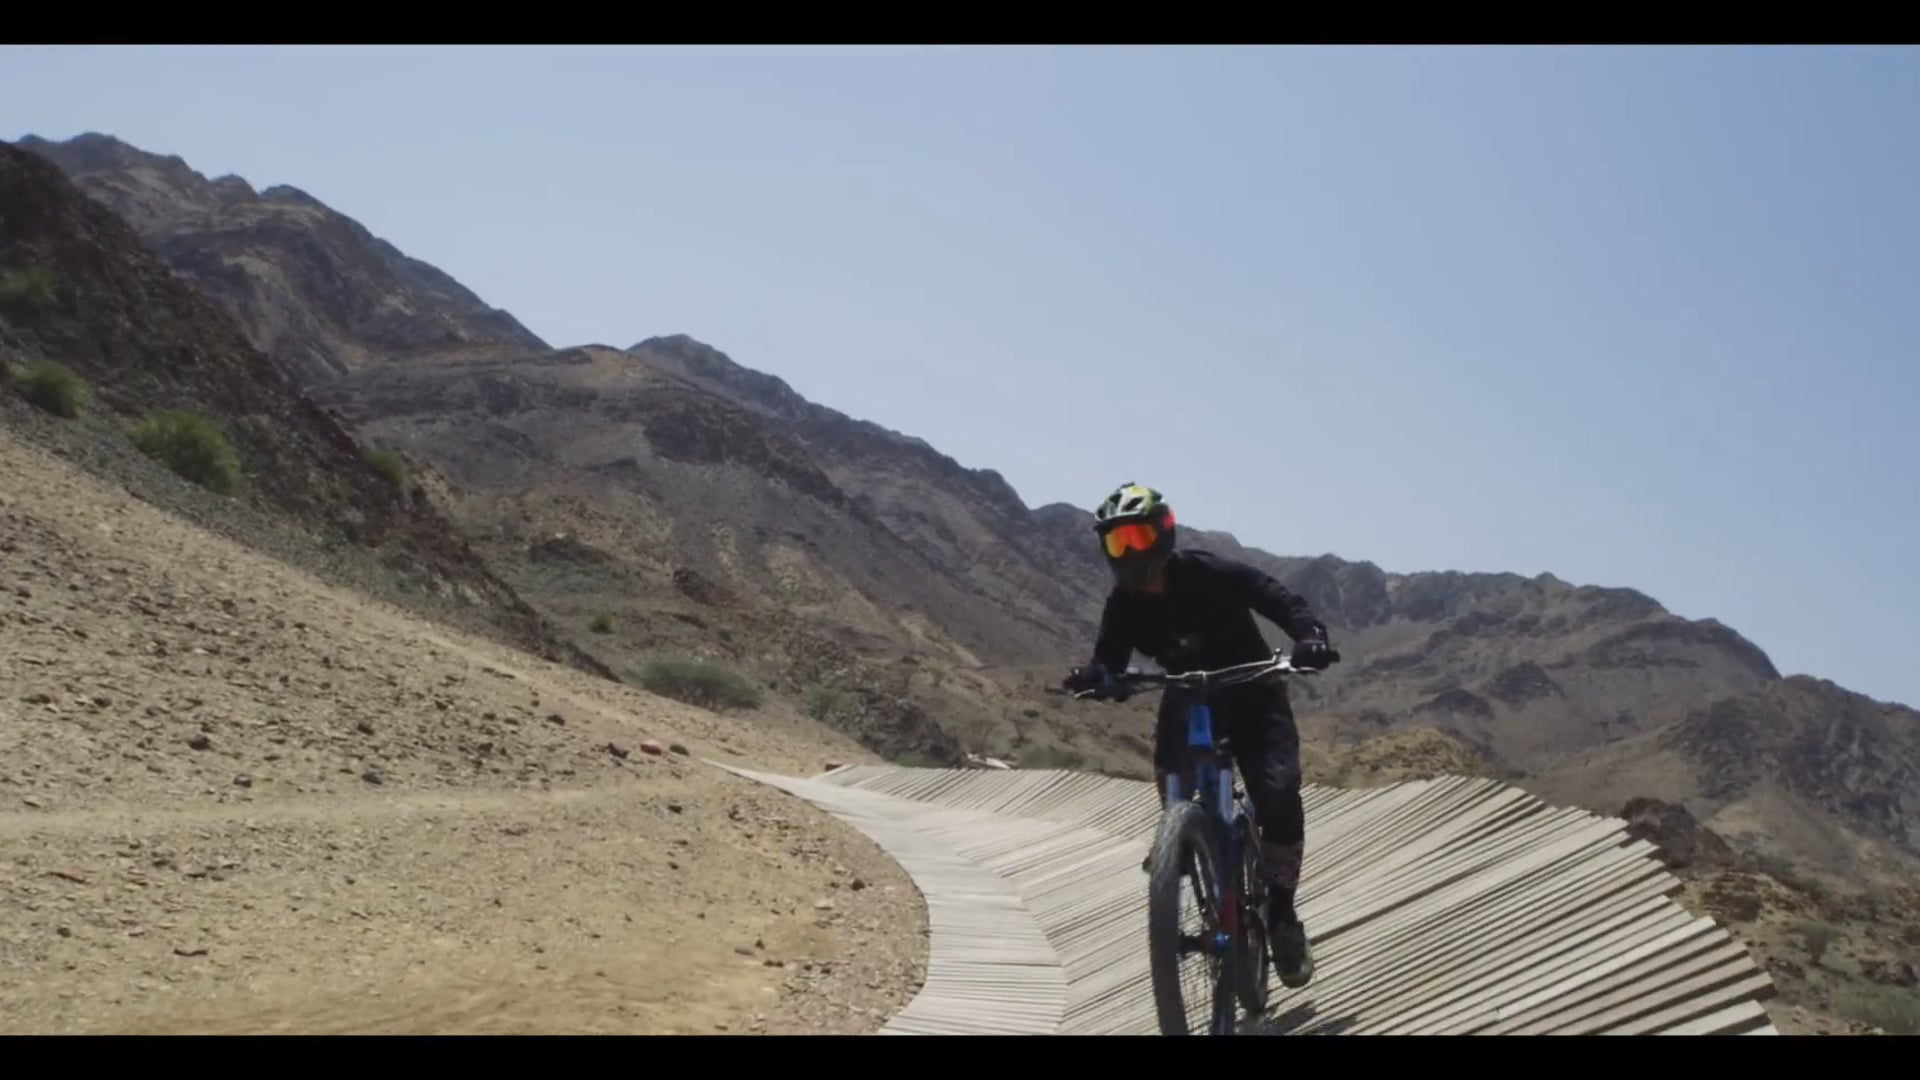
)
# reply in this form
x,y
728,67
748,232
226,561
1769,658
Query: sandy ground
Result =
x,y
234,799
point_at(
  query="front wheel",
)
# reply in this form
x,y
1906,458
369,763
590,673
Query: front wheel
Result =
x,y
1187,850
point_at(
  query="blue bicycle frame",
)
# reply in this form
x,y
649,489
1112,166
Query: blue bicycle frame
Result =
x,y
1213,782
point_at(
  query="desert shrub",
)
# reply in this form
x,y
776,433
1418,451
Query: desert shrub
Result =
x,y
29,287
602,623
390,465
1817,937
191,446
1894,1009
824,702
51,386
699,682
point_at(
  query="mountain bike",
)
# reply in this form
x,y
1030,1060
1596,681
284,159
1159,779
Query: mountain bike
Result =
x,y
1207,825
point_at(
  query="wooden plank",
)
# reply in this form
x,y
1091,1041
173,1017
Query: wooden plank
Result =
x,y
1639,989
1742,1018
1478,966
1707,991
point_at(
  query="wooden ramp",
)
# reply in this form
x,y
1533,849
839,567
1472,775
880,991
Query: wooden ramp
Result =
x,y
1448,906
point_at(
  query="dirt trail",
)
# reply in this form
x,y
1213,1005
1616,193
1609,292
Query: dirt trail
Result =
x,y
233,798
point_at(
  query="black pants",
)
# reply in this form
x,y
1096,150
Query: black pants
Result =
x,y
1258,722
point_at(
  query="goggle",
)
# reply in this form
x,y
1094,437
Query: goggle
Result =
x,y
1134,536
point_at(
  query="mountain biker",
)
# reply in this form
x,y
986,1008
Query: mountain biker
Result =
x,y
1193,610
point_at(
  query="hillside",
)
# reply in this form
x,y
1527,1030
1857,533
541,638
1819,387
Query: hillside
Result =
x,y
601,486
969,520
917,604
239,800
82,289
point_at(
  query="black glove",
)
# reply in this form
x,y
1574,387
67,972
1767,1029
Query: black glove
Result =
x,y
1315,653
1095,681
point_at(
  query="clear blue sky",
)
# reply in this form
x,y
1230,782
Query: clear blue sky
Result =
x,y
1643,317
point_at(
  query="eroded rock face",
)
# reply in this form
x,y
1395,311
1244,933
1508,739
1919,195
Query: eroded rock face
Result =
x,y
1851,756
1682,840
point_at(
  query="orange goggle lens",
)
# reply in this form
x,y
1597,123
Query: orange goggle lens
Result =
x,y
1134,537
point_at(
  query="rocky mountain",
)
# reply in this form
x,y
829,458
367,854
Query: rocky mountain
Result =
x,y
82,290
970,521
311,286
706,509
1797,765
605,487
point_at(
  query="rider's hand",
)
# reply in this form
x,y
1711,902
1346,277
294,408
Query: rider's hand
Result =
x,y
1094,680
1313,653
1091,677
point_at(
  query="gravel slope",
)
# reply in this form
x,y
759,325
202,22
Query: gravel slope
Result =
x,y
235,799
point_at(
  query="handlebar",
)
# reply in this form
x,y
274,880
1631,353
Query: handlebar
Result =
x,y
1280,663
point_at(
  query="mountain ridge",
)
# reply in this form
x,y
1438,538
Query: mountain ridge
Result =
x,y
1526,669
206,224
92,154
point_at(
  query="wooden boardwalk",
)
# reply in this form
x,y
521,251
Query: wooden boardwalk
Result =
x,y
1450,906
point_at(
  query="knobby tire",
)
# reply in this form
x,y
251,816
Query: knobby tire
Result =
x,y
1185,833
1253,958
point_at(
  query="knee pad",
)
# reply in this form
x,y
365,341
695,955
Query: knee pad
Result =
x,y
1282,863
1283,778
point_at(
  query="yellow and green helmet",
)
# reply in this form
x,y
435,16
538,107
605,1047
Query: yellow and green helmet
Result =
x,y
1135,524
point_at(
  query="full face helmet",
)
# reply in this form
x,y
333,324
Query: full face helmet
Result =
x,y
1136,533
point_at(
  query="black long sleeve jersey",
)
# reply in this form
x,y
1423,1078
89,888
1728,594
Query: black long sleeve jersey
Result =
x,y
1204,619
